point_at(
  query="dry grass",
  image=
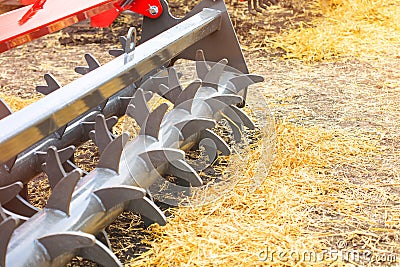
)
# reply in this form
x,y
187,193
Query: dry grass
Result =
x,y
332,187
16,103
300,196
361,28
335,178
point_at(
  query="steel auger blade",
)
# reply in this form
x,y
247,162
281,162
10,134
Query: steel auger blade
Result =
x,y
101,136
68,242
242,117
112,196
60,198
154,158
53,167
202,68
147,209
219,102
63,154
3,216
236,130
153,83
169,93
5,110
128,99
90,125
9,192
102,236
92,64
111,155
169,87
220,144
184,171
173,79
193,126
51,85
210,150
7,227
118,51
138,110
185,98
240,82
20,208
100,254
14,204
153,122
214,74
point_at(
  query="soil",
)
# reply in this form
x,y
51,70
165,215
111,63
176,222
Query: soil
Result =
x,y
358,96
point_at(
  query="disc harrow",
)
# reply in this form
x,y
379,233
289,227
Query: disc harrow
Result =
x,y
43,137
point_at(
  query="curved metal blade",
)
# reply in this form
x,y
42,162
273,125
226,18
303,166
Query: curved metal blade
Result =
x,y
238,83
92,64
9,192
202,67
244,119
193,126
100,254
138,110
111,155
20,207
154,158
51,85
218,141
219,102
53,167
60,243
60,198
184,171
119,52
152,125
169,93
214,74
6,229
112,196
146,208
185,98
101,135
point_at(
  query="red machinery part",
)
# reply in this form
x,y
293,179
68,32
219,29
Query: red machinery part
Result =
x,y
26,2
43,17
149,8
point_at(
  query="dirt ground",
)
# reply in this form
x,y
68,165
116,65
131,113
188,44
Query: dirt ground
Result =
x,y
357,97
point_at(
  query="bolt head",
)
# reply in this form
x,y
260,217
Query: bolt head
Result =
x,y
153,10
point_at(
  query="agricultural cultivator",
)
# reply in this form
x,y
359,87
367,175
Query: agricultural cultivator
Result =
x,y
164,114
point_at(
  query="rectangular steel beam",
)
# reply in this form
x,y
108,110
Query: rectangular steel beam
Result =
x,y
24,128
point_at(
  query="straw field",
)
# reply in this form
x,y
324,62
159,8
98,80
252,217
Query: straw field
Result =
x,y
332,193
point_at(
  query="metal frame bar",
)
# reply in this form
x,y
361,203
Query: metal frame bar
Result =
x,y
33,123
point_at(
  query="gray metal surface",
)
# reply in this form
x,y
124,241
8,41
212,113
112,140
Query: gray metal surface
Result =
x,y
29,163
81,207
47,115
221,44
125,170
